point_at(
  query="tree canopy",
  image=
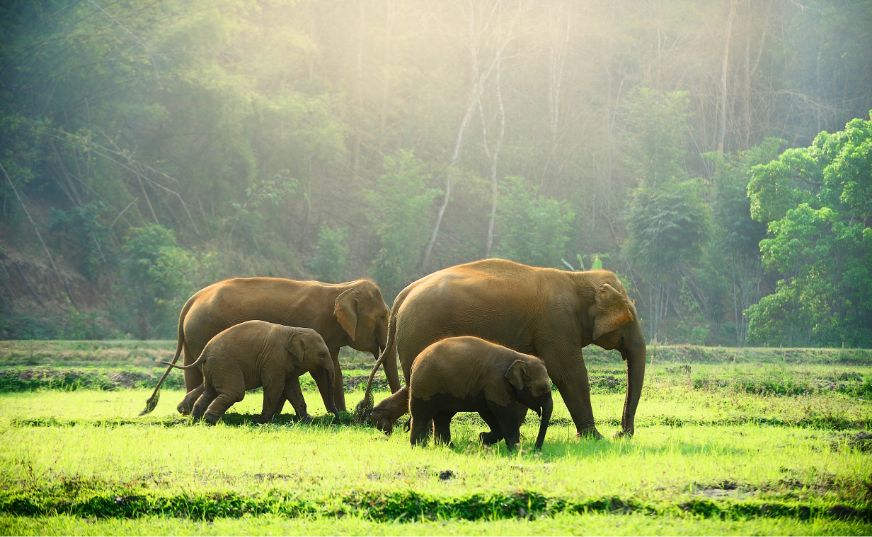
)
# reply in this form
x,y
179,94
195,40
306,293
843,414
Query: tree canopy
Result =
x,y
817,202
150,148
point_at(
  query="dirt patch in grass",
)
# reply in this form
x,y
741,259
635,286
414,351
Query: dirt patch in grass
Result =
x,y
16,379
275,477
861,441
722,489
359,383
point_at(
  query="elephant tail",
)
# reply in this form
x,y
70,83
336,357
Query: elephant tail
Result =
x,y
182,344
364,408
199,361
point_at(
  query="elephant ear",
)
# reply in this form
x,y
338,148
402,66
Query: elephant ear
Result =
x,y
295,346
345,311
517,374
612,311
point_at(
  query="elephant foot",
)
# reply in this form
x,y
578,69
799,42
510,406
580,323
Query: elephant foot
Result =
x,y
489,438
624,434
211,419
305,418
589,433
183,409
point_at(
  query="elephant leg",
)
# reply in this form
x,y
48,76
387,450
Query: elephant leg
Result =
x,y
191,397
420,423
566,368
442,427
273,401
339,385
209,394
495,434
520,412
294,395
219,406
420,430
507,417
231,389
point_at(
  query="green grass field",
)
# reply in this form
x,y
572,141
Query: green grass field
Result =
x,y
752,441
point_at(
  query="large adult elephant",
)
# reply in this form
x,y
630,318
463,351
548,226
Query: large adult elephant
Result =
x,y
344,314
545,312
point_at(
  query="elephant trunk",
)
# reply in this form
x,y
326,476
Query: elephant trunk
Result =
x,y
376,354
382,337
634,352
331,391
544,420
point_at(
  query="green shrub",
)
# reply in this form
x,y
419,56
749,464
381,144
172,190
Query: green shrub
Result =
x,y
331,253
155,282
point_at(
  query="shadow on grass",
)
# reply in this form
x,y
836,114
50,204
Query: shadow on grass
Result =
x,y
236,420
584,448
462,443
618,447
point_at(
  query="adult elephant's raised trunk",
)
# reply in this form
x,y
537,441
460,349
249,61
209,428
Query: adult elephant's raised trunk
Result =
x,y
634,353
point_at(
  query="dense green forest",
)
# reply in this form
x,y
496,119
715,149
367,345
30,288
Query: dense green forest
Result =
x,y
716,155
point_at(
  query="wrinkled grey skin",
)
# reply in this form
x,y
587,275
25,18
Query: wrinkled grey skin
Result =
x,y
468,374
551,314
344,314
253,354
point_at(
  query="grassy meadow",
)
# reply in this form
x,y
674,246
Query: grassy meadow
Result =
x,y
728,441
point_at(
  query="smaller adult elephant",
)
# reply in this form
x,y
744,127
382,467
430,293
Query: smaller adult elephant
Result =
x,y
468,374
253,354
345,314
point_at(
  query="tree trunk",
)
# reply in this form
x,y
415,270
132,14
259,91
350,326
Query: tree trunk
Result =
x,y
494,180
45,249
386,78
358,84
476,87
725,65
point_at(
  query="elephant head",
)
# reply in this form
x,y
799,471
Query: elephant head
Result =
x,y
386,413
613,323
308,352
362,313
532,387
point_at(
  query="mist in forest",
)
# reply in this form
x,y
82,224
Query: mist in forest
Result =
x,y
151,148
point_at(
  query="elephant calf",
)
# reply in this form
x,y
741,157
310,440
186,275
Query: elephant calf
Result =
x,y
468,374
257,353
